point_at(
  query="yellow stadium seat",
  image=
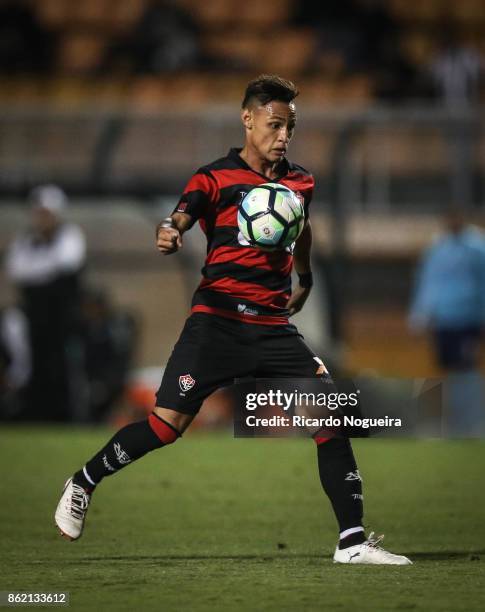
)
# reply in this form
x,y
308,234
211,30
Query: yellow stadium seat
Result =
x,y
255,13
125,13
468,12
241,47
212,14
80,52
287,51
418,47
55,13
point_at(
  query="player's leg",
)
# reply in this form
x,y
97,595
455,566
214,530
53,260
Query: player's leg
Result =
x,y
286,355
161,428
203,360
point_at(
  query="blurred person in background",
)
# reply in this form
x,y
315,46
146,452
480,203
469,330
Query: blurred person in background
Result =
x,y
456,71
365,36
15,361
165,39
336,24
109,337
25,45
45,263
449,302
456,77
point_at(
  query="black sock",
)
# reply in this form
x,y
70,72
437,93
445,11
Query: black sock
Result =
x,y
127,445
342,483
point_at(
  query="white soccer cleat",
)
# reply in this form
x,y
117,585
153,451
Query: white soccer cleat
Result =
x,y
369,553
71,510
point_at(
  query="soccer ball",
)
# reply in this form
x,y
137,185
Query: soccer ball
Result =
x,y
270,217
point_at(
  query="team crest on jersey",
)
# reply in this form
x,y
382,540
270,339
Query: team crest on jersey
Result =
x,y
186,382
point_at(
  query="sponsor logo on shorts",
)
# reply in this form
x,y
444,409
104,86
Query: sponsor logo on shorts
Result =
x,y
354,476
243,309
121,455
357,496
186,382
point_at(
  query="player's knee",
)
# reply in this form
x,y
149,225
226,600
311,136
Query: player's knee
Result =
x,y
178,420
333,446
165,431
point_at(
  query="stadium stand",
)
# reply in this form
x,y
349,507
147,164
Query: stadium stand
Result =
x,y
263,37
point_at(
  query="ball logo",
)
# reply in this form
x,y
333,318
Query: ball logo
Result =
x,y
267,231
186,382
242,241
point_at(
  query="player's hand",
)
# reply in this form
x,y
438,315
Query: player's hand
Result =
x,y
169,239
298,298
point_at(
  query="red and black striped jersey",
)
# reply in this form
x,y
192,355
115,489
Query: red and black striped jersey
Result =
x,y
240,282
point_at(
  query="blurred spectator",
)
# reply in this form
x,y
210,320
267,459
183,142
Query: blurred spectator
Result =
x,y
365,35
450,302
456,76
164,40
45,263
395,78
108,339
336,23
456,71
25,46
356,29
15,361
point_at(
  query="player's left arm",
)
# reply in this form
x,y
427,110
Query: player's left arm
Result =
x,y
302,264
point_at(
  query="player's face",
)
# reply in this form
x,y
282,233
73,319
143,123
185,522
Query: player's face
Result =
x,y
269,129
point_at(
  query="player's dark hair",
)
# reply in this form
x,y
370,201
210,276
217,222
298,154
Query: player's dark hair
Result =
x,y
269,87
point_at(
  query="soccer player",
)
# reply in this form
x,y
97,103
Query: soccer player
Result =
x,y
239,322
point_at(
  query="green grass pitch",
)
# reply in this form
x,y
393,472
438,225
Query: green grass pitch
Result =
x,y
214,523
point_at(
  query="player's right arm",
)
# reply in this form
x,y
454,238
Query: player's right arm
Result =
x,y
200,193
170,230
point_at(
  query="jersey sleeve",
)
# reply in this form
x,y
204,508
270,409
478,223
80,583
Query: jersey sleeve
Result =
x,y
201,191
308,196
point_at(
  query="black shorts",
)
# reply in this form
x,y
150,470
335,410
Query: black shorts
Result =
x,y
212,351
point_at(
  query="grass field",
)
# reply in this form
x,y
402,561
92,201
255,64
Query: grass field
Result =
x,y
213,523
